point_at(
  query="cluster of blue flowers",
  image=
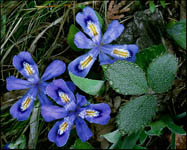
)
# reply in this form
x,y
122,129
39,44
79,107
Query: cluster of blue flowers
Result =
x,y
73,110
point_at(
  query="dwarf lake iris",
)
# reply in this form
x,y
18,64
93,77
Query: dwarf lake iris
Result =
x,y
74,111
98,44
24,63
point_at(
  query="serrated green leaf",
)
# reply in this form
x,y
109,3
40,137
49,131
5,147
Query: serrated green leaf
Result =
x,y
81,145
161,73
70,39
92,87
178,32
126,78
112,137
137,113
152,6
145,56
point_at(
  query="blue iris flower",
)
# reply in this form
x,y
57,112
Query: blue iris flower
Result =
x,y
74,111
98,44
24,63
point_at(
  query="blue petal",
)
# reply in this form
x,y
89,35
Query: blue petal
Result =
x,y
82,65
24,63
113,32
81,100
82,129
59,92
13,83
54,134
89,22
51,112
101,113
121,52
81,41
56,68
105,59
71,86
20,111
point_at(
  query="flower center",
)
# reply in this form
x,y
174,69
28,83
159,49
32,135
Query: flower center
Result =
x,y
86,62
121,53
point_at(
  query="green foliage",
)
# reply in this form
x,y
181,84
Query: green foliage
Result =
x,y
136,114
126,78
113,137
163,4
161,73
92,87
70,39
177,31
81,145
152,6
142,137
145,56
164,121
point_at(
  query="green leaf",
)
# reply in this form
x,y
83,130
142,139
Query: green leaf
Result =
x,y
145,56
161,73
143,137
156,128
178,32
173,143
172,126
112,137
70,39
81,145
130,140
101,21
92,87
139,147
152,6
137,113
163,4
126,78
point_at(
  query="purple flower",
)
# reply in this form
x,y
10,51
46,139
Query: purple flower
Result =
x,y
24,63
74,111
99,44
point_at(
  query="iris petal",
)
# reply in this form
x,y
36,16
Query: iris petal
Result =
x,y
51,112
13,83
113,32
64,127
82,65
24,63
59,91
71,86
56,68
96,113
81,41
22,109
105,59
89,22
121,52
82,129
81,100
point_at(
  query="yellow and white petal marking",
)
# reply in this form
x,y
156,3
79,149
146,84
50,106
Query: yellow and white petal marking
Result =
x,y
85,63
62,128
88,113
29,70
64,97
121,53
26,103
92,28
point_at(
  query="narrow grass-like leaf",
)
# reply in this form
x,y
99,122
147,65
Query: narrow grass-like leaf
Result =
x,y
161,73
92,87
136,114
126,78
178,32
